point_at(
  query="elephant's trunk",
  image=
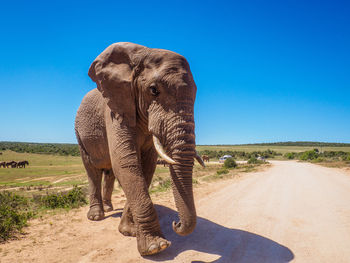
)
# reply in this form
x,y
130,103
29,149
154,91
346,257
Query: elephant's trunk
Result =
x,y
176,133
183,153
183,195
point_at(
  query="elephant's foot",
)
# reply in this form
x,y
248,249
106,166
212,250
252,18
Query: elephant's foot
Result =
x,y
149,245
127,229
127,226
107,206
95,213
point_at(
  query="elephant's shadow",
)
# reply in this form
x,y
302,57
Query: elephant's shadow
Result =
x,y
231,245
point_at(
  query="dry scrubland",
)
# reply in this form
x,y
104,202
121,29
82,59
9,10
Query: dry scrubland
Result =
x,y
280,149
291,211
54,172
258,196
51,173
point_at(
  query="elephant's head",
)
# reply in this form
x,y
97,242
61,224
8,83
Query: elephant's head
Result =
x,y
154,90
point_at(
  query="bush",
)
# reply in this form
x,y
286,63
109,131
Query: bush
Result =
x,y
253,160
318,160
13,214
222,171
71,199
290,156
230,163
346,157
308,155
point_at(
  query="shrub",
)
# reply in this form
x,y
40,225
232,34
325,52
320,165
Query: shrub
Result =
x,y
308,155
71,199
318,160
222,171
230,163
290,156
346,157
13,214
253,160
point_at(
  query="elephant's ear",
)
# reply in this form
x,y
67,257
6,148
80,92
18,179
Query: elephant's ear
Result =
x,y
112,71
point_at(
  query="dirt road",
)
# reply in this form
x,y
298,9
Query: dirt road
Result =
x,y
293,211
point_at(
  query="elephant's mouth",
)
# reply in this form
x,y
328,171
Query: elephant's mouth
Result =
x,y
160,150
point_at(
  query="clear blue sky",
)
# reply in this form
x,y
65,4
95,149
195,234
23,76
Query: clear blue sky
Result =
x,y
266,71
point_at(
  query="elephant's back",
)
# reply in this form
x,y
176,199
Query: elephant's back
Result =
x,y
90,115
90,127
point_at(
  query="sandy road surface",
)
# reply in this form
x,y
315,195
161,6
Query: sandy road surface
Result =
x,y
291,212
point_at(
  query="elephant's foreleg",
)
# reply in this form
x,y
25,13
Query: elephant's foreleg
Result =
x,y
148,163
107,189
150,239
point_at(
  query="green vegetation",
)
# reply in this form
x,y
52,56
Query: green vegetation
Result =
x,y
290,156
253,160
162,185
41,148
222,171
43,169
240,155
283,147
308,155
316,156
15,209
46,182
300,143
71,199
14,214
230,163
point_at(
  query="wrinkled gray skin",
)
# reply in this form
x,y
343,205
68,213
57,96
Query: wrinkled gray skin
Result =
x,y
141,92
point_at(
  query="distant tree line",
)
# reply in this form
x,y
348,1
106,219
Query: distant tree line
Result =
x,y
41,148
315,155
307,144
241,155
302,143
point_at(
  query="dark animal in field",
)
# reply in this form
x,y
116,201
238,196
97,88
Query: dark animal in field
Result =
x,y
3,164
205,158
162,162
22,164
0,153
11,164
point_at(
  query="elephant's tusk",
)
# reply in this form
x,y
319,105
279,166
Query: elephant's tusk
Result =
x,y
199,159
161,152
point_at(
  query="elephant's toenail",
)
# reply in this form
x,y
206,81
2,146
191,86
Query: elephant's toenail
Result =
x,y
153,248
163,245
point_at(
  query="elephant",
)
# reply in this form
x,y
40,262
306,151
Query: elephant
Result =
x,y
22,164
205,158
12,164
143,106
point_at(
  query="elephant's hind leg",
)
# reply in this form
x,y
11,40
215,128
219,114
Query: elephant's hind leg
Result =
x,y
95,178
108,186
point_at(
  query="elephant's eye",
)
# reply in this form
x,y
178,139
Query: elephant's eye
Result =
x,y
154,90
